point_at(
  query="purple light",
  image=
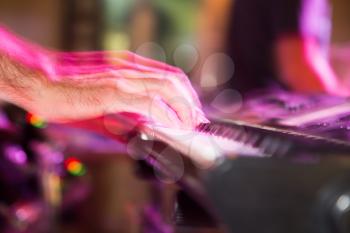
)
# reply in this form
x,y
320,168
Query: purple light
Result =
x,y
16,155
4,122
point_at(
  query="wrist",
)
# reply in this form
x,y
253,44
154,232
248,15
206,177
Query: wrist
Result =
x,y
19,83
25,53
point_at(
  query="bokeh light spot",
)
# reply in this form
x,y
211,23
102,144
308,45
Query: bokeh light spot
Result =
x,y
217,69
228,101
185,56
151,50
74,166
36,121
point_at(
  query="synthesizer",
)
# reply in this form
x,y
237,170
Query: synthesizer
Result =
x,y
241,173
287,172
320,115
218,139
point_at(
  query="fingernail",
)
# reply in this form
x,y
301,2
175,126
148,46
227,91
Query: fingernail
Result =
x,y
200,115
199,110
204,120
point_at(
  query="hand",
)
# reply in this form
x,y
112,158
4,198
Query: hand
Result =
x,y
90,84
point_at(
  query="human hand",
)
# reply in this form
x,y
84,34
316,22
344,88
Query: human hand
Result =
x,y
90,84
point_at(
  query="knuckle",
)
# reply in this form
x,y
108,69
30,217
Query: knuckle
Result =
x,y
168,82
181,77
127,53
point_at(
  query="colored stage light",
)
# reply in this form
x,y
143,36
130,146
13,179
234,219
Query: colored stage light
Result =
x,y
36,121
74,166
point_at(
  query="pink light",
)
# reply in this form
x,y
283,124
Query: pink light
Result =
x,y
16,155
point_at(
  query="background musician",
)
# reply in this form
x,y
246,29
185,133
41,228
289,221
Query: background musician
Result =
x,y
275,42
283,41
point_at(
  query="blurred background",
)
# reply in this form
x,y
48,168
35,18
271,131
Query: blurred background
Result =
x,y
106,194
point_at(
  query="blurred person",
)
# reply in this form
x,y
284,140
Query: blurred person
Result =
x,y
281,42
340,60
146,23
66,87
142,25
213,27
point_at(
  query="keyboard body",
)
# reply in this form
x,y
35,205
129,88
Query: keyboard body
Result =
x,y
281,164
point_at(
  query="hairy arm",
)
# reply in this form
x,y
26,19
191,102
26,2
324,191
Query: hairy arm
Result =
x,y
19,84
65,87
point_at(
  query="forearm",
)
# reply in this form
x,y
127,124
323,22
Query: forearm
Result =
x,y
17,83
24,52
21,69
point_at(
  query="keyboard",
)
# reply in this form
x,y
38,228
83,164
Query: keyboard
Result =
x,y
211,141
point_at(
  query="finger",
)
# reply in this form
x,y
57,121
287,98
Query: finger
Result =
x,y
155,82
180,90
137,84
201,118
184,81
180,82
80,63
129,89
182,104
154,108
